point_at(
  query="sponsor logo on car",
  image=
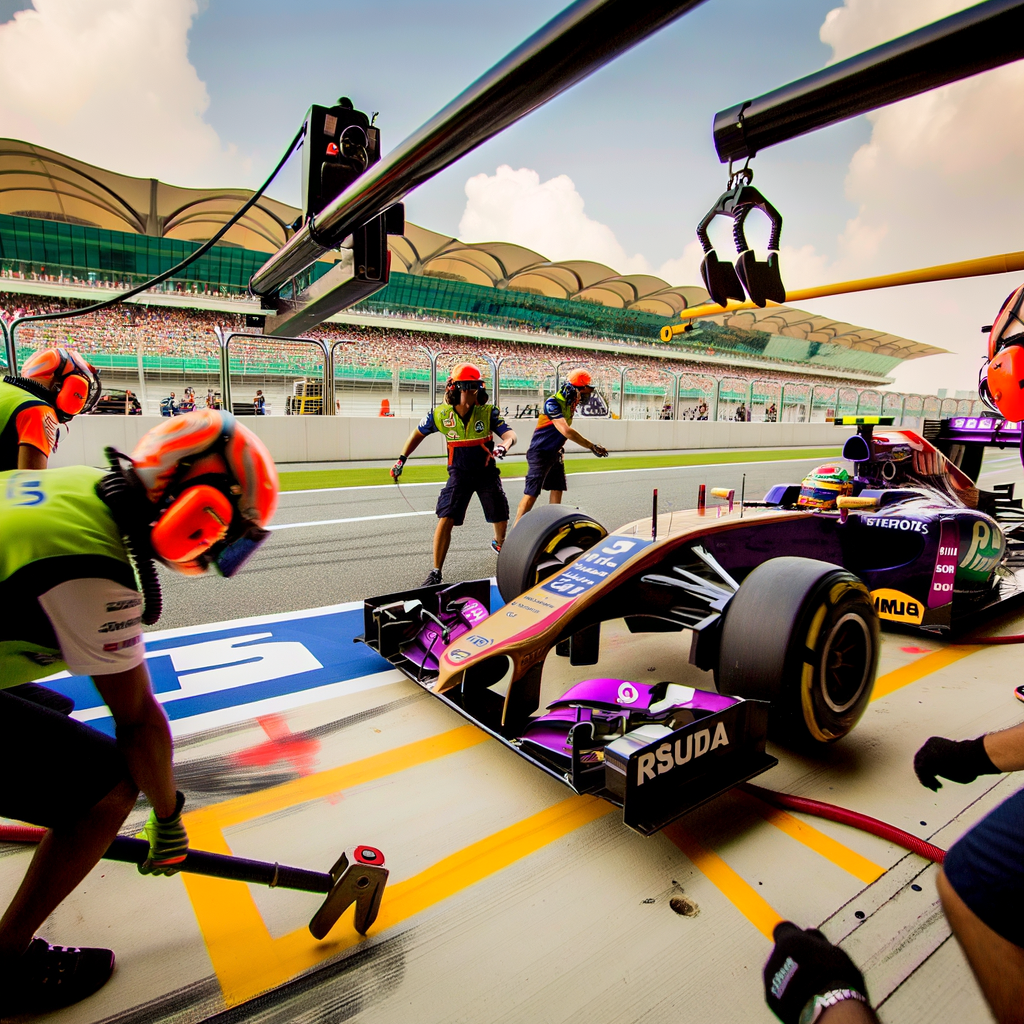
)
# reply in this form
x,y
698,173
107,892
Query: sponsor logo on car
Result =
x,y
985,550
479,641
897,606
896,523
595,566
457,655
669,755
628,694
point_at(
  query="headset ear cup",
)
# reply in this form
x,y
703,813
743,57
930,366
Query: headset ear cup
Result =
x,y
196,520
73,395
482,397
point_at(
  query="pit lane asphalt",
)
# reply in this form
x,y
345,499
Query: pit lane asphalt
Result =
x,y
314,565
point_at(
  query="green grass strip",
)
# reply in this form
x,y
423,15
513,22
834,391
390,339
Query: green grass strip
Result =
x,y
315,479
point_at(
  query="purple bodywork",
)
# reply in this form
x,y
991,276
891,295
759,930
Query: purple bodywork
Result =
x,y
613,707
455,618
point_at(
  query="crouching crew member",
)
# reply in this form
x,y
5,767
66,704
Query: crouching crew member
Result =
x,y
55,385
466,421
197,491
545,468
981,881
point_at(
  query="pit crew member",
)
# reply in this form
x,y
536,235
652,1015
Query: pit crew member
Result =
x,y
981,882
545,466
55,385
196,491
466,421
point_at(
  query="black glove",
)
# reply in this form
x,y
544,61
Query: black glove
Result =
x,y
396,469
804,964
961,761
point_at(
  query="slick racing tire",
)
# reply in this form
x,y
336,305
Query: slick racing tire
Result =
x,y
802,635
542,543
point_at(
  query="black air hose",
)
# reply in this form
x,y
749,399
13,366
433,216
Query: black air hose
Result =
x,y
133,512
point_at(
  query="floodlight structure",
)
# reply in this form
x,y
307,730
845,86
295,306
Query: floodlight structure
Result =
x,y
584,37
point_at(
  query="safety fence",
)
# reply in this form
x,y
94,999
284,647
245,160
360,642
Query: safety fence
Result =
x,y
254,374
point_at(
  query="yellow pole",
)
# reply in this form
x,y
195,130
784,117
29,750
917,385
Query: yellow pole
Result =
x,y
1006,263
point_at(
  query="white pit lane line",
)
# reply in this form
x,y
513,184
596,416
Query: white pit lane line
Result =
x,y
353,519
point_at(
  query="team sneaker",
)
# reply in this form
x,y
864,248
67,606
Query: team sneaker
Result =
x,y
495,547
433,578
46,978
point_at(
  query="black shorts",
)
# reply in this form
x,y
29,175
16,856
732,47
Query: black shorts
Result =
x,y
53,769
986,869
453,500
544,470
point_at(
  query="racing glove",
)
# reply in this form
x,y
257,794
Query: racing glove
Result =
x,y
168,842
804,964
961,761
500,451
396,469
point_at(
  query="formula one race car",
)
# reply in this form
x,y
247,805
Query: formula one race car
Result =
x,y
779,599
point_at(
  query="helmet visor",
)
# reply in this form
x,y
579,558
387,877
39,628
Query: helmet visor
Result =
x,y
237,552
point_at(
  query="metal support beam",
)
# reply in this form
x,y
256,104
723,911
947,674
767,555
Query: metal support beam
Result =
x,y
981,38
583,38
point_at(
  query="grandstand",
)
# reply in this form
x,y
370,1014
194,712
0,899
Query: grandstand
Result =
x,y
70,232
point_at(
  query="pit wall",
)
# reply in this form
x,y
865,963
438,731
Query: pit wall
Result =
x,y
342,439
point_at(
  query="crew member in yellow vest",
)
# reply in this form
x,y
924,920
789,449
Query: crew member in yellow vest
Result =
x,y
467,422
78,581
544,466
55,385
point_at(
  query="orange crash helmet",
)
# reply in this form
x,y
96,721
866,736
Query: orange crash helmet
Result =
x,y
214,487
72,383
1002,383
465,377
822,487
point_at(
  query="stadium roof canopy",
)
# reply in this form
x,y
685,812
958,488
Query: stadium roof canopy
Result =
x,y
43,184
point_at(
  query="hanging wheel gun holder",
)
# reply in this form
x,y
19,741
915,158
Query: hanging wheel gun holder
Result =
x,y
762,279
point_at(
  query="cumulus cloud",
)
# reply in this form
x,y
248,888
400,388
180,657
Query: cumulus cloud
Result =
x,y
110,82
935,183
546,216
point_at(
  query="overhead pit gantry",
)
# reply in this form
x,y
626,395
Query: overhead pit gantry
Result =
x,y
583,38
978,39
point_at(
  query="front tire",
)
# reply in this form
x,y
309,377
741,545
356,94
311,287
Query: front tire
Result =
x,y
802,635
541,544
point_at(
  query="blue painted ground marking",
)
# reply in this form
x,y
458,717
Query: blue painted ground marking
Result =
x,y
206,669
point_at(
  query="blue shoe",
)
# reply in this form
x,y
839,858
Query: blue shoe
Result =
x,y
495,547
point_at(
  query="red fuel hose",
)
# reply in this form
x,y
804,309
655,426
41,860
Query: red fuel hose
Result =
x,y
21,833
862,821
29,834
1012,638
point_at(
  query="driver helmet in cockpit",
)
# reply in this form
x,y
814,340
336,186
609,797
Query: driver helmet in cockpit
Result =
x,y
822,487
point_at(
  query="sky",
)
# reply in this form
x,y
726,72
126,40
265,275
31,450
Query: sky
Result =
x,y
618,169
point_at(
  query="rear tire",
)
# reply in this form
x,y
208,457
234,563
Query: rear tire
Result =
x,y
802,635
544,541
